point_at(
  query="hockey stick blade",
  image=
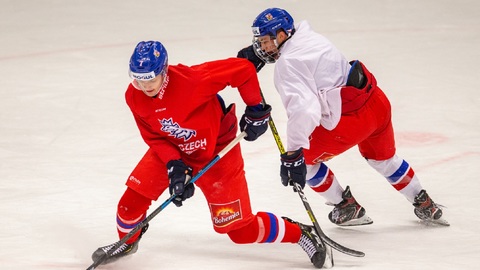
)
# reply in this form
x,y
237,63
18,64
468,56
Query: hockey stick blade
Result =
x,y
327,240
341,248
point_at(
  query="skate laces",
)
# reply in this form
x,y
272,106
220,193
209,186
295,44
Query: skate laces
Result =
x,y
307,243
121,249
124,248
423,201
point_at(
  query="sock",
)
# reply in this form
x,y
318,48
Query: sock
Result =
x,y
322,180
266,228
399,174
132,209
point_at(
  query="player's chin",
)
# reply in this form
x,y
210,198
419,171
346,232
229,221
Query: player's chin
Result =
x,y
151,92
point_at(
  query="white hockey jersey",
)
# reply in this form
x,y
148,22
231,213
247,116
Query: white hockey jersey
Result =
x,y
308,76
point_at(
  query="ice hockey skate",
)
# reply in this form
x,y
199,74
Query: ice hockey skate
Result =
x,y
320,254
427,210
121,251
348,212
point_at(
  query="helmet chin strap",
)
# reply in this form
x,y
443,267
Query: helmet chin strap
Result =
x,y
276,43
281,44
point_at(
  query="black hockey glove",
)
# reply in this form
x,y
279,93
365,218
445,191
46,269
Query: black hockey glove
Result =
x,y
293,168
250,55
178,175
255,121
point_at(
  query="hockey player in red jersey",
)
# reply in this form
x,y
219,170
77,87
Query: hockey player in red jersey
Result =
x,y
185,124
332,105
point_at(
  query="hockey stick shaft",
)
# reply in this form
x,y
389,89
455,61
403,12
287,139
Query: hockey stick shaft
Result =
x,y
300,192
122,241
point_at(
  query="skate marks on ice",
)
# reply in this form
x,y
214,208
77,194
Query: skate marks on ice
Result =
x,y
431,222
418,139
426,139
64,246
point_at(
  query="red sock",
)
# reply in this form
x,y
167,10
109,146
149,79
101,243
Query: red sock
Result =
x,y
132,209
266,228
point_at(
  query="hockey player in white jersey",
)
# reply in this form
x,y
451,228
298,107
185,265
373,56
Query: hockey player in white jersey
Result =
x,y
332,105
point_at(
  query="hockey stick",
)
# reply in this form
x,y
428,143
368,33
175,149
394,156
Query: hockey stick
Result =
x,y
300,192
122,241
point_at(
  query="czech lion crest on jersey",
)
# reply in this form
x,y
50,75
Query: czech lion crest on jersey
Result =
x,y
174,129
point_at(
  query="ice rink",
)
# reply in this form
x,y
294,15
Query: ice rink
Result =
x,y
68,140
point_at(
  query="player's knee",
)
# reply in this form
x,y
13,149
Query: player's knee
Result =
x,y
132,205
246,234
239,236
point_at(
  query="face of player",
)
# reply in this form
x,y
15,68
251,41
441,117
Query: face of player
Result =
x,y
150,87
266,43
269,44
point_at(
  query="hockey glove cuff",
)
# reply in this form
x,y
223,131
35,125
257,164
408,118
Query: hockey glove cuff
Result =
x,y
255,121
293,168
250,55
178,175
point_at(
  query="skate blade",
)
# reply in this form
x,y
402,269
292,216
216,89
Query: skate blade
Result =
x,y
365,220
328,257
435,222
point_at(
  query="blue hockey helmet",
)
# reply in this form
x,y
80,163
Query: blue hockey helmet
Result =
x,y
265,27
149,59
270,21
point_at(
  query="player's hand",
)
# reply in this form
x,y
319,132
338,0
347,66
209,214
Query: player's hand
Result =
x,y
249,54
255,121
178,175
293,168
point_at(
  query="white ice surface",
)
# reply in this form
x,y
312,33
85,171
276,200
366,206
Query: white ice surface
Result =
x,y
68,141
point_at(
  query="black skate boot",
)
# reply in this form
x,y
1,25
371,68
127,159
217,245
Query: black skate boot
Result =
x,y
348,212
123,250
319,253
425,208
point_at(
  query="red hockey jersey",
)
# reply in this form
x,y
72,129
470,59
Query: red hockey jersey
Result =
x,y
183,120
